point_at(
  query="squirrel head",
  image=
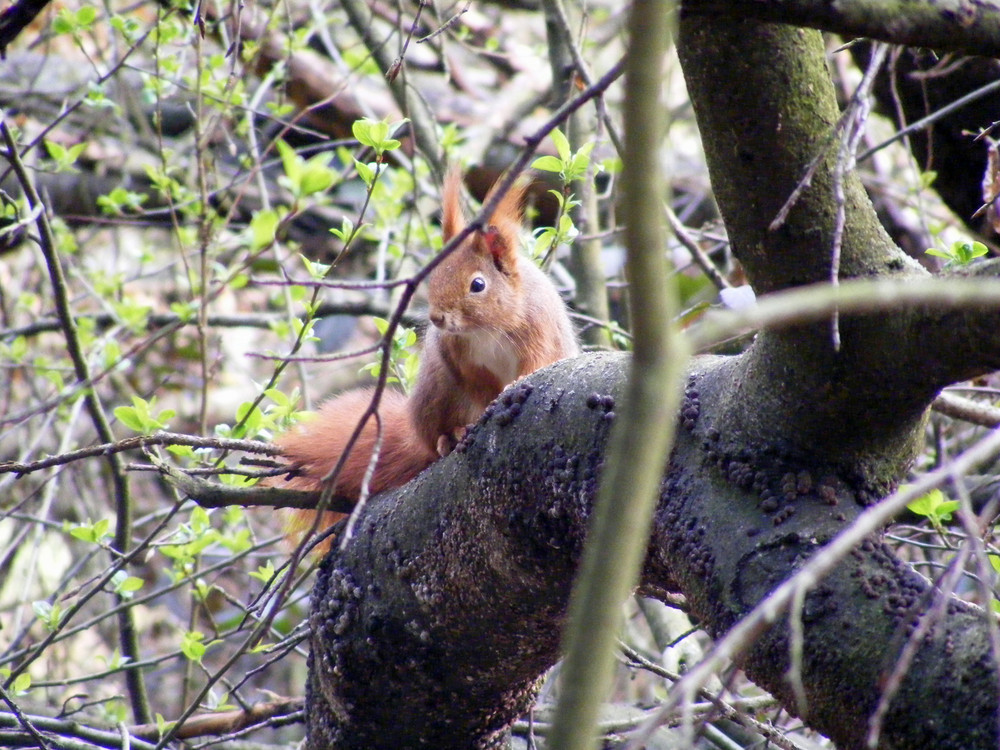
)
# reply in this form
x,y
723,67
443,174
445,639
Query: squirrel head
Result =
x,y
479,285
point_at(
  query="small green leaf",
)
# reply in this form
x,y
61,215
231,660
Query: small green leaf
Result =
x,y
317,177
548,164
86,15
561,144
345,231
125,585
22,683
925,504
200,520
316,269
264,573
49,614
263,226
375,135
365,172
192,646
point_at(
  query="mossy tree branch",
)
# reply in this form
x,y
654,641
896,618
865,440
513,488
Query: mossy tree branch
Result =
x,y
968,27
782,448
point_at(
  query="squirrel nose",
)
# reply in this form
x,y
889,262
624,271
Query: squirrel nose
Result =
x,y
437,318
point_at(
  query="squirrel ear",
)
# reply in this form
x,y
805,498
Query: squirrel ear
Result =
x,y
501,236
452,216
502,247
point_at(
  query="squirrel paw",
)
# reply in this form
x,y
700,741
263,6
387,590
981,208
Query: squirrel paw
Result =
x,y
446,443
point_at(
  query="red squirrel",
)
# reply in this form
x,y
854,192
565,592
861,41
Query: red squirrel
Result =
x,y
495,316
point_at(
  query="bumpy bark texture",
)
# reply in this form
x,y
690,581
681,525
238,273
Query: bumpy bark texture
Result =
x,y
435,621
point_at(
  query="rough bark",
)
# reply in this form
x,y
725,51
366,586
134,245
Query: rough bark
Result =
x,y
434,622
437,620
965,25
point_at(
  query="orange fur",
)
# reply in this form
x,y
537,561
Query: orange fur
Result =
x,y
480,343
481,340
314,447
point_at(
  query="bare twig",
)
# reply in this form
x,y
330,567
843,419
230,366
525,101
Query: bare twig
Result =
x,y
123,500
139,442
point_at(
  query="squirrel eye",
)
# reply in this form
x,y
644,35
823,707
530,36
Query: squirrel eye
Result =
x,y
477,285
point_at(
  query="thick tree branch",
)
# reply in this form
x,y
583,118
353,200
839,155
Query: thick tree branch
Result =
x,y
781,449
969,26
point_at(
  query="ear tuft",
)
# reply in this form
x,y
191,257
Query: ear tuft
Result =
x,y
452,215
501,236
508,213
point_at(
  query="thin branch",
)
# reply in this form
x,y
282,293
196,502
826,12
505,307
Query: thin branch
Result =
x,y
684,236
226,721
815,302
967,410
23,720
925,122
139,442
60,730
123,501
216,495
643,432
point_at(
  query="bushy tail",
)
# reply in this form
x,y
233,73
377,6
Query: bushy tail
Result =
x,y
313,448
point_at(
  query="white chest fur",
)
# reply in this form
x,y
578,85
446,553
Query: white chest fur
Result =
x,y
495,351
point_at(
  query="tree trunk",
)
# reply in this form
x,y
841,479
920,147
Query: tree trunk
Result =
x,y
434,622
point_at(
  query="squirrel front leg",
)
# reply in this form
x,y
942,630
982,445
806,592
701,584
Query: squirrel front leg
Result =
x,y
440,405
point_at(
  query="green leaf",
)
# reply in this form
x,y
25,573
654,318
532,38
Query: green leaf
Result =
x,y
62,24
316,270
139,416
86,15
375,135
125,585
22,683
548,164
19,349
561,144
263,227
317,177
926,504
238,541
944,510
264,573
365,172
162,725
192,646
291,163
94,533
200,520
934,506
49,614
249,420
345,231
